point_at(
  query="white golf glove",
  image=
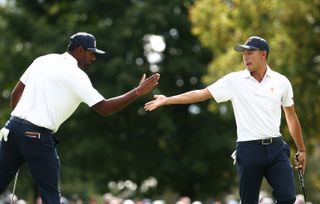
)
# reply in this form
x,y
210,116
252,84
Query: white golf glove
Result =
x,y
4,132
234,157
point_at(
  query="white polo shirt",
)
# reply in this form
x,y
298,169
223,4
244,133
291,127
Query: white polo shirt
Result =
x,y
257,106
54,88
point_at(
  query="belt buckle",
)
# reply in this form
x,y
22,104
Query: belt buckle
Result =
x,y
266,141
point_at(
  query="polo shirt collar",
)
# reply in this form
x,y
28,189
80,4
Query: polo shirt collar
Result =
x,y
246,73
69,57
269,72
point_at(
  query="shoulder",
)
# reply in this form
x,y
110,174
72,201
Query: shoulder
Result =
x,y
231,79
279,77
236,75
47,58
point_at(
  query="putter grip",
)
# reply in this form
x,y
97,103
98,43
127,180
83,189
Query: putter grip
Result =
x,y
301,177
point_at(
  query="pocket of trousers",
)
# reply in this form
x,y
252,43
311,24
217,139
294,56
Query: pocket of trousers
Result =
x,y
34,135
42,141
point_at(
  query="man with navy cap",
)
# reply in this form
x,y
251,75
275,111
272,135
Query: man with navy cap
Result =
x,y
48,92
257,94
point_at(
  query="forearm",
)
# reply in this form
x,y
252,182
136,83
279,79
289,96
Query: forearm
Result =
x,y
112,105
296,132
189,97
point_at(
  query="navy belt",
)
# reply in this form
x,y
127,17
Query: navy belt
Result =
x,y
265,141
25,122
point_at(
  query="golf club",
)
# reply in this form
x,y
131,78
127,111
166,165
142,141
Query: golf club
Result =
x,y
14,187
301,178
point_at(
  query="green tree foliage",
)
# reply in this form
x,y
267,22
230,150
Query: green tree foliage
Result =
x,y
293,31
187,153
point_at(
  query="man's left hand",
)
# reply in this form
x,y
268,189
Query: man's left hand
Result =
x,y
4,132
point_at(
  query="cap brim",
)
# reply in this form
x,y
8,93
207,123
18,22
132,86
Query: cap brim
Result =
x,y
95,50
242,48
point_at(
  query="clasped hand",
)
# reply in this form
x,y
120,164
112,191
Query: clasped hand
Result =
x,y
300,160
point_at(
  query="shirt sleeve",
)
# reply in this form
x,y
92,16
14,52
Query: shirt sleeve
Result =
x,y
25,76
81,86
287,98
221,89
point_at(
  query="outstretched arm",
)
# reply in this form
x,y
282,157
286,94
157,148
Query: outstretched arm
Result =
x,y
108,106
184,98
296,134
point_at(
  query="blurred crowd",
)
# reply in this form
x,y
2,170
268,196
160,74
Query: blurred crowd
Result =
x,y
108,198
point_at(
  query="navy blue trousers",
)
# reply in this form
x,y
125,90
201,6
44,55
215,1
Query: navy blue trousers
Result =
x,y
272,161
36,147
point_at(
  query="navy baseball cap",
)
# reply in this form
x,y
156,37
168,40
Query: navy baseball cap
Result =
x,y
85,40
253,43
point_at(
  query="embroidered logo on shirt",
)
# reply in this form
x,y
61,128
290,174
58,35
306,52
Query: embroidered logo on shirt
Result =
x,y
272,89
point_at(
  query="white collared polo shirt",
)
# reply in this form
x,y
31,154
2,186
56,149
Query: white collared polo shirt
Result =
x,y
256,105
54,88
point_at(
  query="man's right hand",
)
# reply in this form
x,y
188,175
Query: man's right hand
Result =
x,y
300,160
160,100
147,84
4,132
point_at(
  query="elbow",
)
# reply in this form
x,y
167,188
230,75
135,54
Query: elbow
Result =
x,y
203,98
102,108
108,107
103,112
106,114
